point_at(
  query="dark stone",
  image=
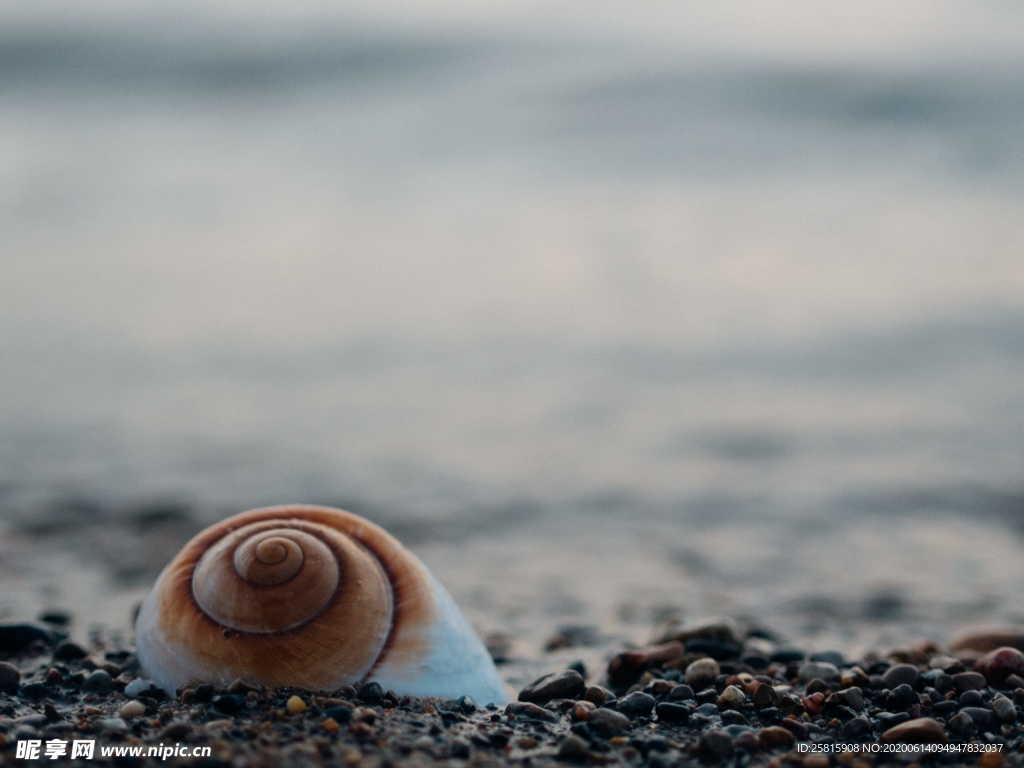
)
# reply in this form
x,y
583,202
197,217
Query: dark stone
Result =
x,y
716,649
608,722
340,713
764,696
890,719
568,684
716,743
982,717
966,681
55,617
857,728
672,713
681,693
15,638
69,651
466,704
34,690
787,655
945,708
460,749
371,693
902,697
999,664
229,703
572,747
900,674
99,681
636,704
961,725
939,680
732,717
9,677
832,657
971,699
707,696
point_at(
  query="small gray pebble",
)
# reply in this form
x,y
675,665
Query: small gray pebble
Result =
x,y
139,687
1004,709
821,670
113,725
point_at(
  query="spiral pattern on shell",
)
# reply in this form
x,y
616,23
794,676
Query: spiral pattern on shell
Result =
x,y
299,595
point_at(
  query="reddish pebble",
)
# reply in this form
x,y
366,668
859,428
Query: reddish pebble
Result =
x,y
999,664
923,730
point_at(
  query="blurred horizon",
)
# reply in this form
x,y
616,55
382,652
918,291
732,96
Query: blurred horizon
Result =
x,y
715,306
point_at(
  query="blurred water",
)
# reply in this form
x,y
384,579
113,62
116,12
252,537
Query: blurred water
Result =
x,y
719,309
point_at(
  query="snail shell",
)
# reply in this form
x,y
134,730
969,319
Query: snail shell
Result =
x,y
310,597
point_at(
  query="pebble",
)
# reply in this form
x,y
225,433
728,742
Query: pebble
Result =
x,y
608,720
113,725
671,712
822,670
132,709
69,651
681,693
295,705
852,697
923,730
723,630
15,638
572,747
228,703
1004,709
982,717
999,664
626,667
371,692
568,684
9,677
900,674
176,730
968,681
598,694
731,697
701,673
99,681
902,697
857,728
341,713
460,749
764,696
530,710
636,704
989,639
581,710
775,736
961,724
140,686
717,743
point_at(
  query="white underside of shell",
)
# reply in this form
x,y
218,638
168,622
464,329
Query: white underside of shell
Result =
x,y
455,663
168,667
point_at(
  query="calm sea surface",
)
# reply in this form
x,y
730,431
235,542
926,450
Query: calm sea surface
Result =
x,y
717,311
